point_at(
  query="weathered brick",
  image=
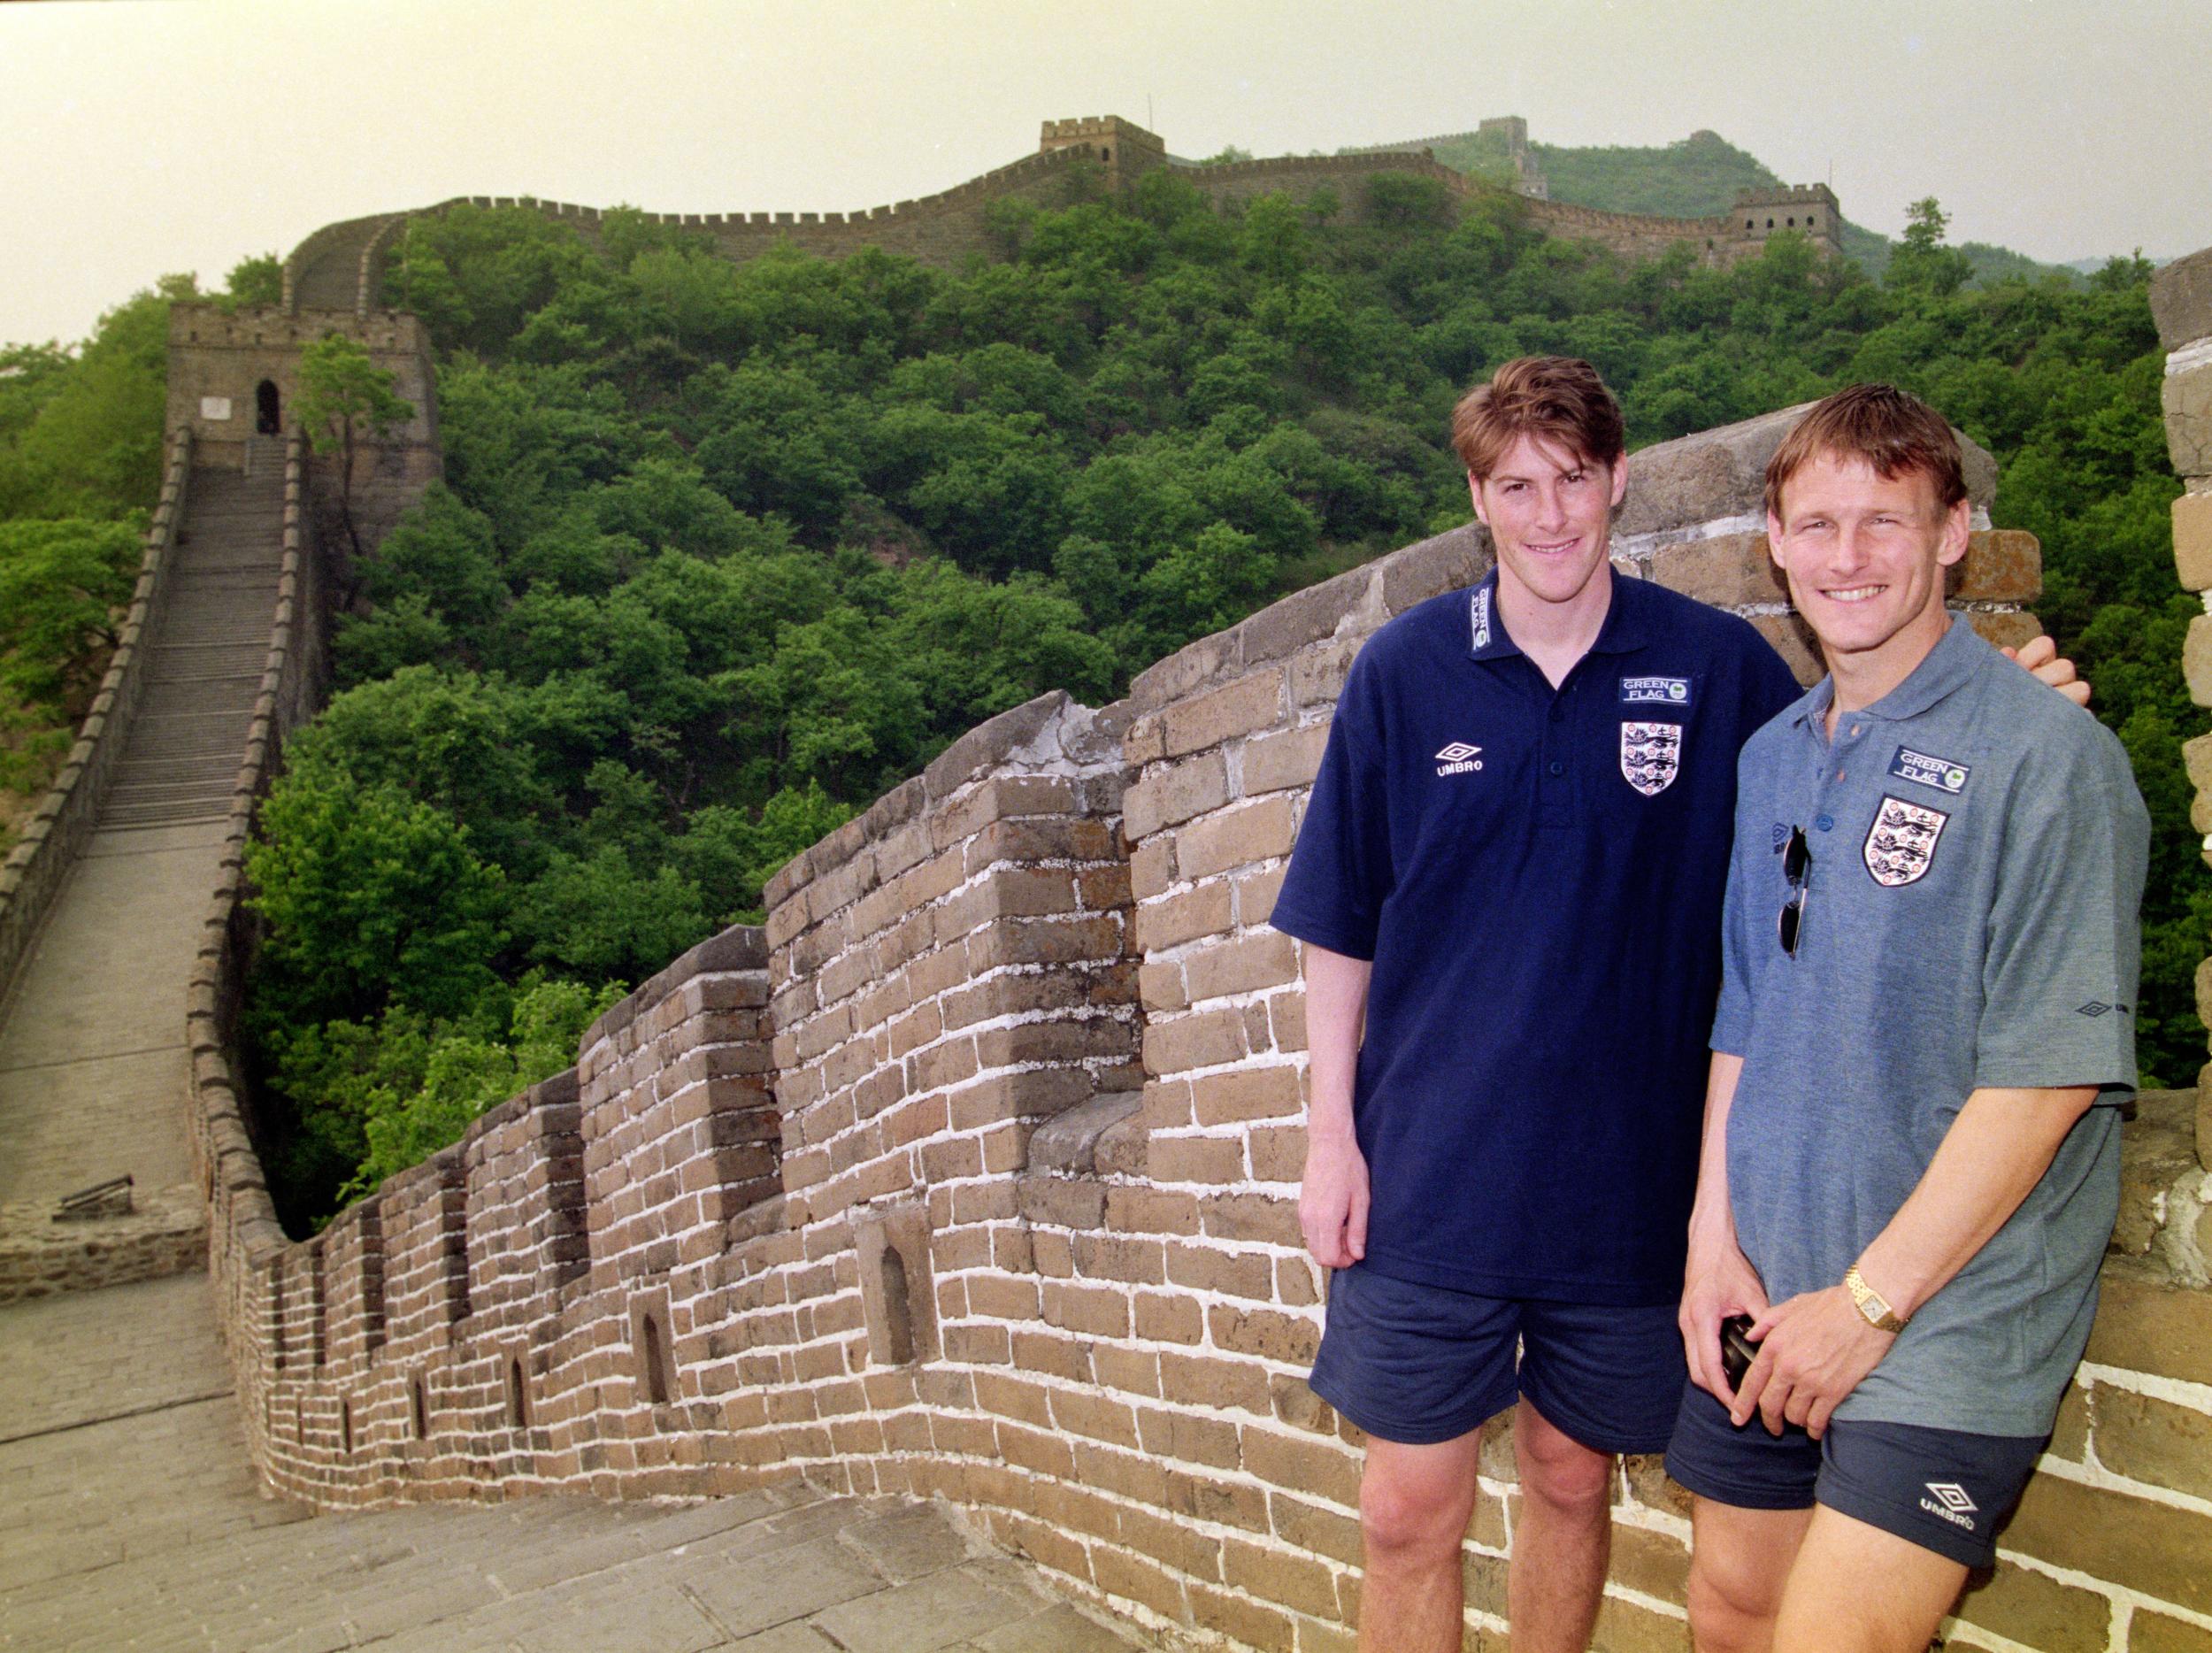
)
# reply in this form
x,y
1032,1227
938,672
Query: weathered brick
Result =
x,y
1205,1039
2000,566
1213,1380
1281,762
2192,541
1248,1622
1311,1527
1169,921
1251,1217
1245,1093
1626,1626
2136,1542
1174,794
1152,867
2005,630
1194,1159
1094,1311
1264,1332
1160,986
2146,1325
1188,1438
1793,639
1150,1211
1162,1319
1303,1465
1140,1579
2038,1611
1096,1416
1317,674
1256,831
1251,703
2149,1440
1259,958
1276,1575
1728,570
1241,1274
2187,400
2154,1632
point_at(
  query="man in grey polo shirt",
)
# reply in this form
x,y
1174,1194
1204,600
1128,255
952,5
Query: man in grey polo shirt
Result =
x,y
1930,954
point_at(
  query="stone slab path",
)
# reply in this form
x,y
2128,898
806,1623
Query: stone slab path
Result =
x,y
129,1519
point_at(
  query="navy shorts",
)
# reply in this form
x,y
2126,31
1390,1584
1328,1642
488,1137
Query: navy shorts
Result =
x,y
1943,1490
1421,1363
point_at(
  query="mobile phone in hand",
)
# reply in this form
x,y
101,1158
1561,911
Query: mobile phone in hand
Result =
x,y
1736,1351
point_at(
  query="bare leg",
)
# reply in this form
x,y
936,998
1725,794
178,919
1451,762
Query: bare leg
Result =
x,y
1739,1560
1827,1606
1414,1505
1562,1540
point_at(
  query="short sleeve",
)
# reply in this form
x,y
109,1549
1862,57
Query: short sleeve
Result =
x,y
2065,950
1731,1016
1340,872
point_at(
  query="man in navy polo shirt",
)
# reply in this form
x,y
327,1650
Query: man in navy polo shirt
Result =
x,y
1511,866
1906,1178
1509,882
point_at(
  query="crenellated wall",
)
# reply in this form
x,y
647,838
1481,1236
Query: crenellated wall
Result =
x,y
338,269
973,1173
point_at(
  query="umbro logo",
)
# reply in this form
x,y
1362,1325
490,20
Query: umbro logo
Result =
x,y
1951,1502
1458,759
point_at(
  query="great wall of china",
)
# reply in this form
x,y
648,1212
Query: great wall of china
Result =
x,y
341,266
969,1174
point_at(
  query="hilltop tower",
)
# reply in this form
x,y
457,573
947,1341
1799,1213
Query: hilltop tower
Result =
x,y
1124,148
1528,176
1809,210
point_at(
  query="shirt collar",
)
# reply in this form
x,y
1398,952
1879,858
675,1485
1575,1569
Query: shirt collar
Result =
x,y
1941,671
1627,626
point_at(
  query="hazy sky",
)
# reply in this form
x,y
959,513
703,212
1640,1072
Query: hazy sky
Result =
x,y
153,135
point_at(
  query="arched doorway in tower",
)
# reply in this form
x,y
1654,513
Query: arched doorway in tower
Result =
x,y
265,410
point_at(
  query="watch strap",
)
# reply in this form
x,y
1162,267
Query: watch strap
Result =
x,y
1873,1307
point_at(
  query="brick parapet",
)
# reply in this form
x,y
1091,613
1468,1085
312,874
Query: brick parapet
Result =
x,y
972,1173
340,267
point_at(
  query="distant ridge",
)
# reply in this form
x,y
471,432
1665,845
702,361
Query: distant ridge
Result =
x,y
1690,178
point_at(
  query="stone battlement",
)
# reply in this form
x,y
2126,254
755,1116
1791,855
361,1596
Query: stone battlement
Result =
x,y
972,1173
338,266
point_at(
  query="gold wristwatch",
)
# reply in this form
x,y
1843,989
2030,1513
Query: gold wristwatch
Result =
x,y
1873,1307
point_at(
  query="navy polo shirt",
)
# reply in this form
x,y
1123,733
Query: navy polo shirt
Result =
x,y
1537,875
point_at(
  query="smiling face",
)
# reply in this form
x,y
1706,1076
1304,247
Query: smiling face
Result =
x,y
1864,556
1549,513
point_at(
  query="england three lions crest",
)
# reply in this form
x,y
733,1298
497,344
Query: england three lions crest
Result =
x,y
1651,755
1900,845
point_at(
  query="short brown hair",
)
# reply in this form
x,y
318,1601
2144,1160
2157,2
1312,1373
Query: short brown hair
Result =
x,y
1892,431
1556,398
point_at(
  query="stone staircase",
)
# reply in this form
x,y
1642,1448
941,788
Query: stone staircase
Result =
x,y
180,761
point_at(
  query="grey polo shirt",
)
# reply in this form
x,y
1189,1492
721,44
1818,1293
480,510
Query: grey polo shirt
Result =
x,y
1978,851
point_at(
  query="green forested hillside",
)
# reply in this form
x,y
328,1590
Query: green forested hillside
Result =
x,y
79,468
725,550
1695,177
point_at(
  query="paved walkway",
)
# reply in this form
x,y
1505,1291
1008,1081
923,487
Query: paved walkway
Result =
x,y
129,1519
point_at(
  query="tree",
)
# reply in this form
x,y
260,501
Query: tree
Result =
x,y
1921,261
344,399
61,585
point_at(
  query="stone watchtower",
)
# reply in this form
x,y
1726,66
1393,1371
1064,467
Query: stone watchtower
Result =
x,y
1528,176
1807,210
1124,148
235,375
